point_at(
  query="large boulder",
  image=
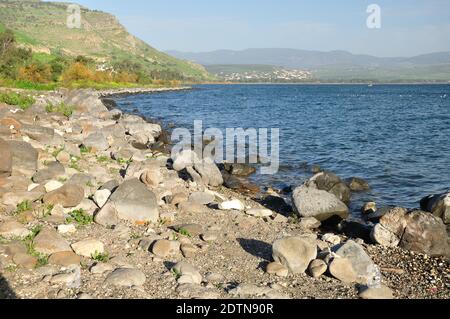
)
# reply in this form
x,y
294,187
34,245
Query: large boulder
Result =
x,y
134,202
417,231
38,133
24,158
6,158
85,101
426,233
312,202
391,226
333,184
438,205
296,253
362,264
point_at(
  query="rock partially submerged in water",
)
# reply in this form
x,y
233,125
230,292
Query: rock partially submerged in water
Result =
x,y
438,205
312,202
333,184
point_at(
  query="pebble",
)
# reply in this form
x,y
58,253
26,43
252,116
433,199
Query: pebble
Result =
x,y
67,229
331,239
234,204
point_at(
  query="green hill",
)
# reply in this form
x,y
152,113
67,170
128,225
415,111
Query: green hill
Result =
x,y
42,27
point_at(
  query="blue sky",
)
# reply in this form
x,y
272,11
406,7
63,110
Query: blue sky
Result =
x,y
409,27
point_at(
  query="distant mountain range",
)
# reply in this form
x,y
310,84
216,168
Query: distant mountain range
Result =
x,y
333,65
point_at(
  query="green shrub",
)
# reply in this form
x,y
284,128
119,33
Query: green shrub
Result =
x,y
80,217
22,101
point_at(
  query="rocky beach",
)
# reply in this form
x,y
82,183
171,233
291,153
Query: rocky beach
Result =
x,y
93,207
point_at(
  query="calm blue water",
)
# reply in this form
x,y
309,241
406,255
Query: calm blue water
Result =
x,y
395,136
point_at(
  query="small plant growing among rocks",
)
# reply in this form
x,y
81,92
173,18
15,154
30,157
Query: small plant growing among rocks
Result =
x,y
80,217
42,259
61,108
184,232
100,257
22,207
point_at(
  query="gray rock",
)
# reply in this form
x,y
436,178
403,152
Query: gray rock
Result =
x,y
24,158
312,202
188,274
86,101
201,198
186,158
6,159
209,172
107,216
362,264
296,253
126,277
38,133
96,141
135,203
53,170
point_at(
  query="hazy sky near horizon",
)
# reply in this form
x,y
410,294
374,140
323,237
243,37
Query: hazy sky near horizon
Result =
x,y
408,27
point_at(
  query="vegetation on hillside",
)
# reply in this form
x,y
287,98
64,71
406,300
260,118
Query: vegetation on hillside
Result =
x,y
44,52
21,68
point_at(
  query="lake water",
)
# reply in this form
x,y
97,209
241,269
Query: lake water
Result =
x,y
394,136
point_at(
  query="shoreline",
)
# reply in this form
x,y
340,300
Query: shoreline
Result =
x,y
177,212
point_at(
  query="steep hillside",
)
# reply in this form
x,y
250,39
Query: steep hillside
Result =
x,y
42,26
